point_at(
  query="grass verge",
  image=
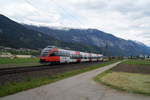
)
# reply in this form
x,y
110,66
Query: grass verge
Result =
x,y
18,60
130,82
32,83
137,62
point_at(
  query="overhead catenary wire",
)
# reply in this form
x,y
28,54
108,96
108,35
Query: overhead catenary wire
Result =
x,y
67,12
61,9
37,11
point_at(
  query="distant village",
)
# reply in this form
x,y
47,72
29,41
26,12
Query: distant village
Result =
x,y
29,53
18,53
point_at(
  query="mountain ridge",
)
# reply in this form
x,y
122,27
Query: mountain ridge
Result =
x,y
17,35
95,37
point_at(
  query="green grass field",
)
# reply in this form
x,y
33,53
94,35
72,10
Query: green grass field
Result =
x,y
18,60
138,62
11,88
131,82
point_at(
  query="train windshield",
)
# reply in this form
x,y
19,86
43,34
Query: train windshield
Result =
x,y
43,54
46,51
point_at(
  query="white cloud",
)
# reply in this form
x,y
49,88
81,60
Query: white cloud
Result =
x,y
128,19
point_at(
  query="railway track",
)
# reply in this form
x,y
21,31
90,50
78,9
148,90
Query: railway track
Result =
x,y
4,71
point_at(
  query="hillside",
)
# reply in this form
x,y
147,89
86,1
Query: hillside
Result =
x,y
15,35
109,44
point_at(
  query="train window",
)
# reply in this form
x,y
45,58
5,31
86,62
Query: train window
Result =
x,y
60,53
54,54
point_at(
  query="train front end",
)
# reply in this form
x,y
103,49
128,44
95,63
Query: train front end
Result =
x,y
46,55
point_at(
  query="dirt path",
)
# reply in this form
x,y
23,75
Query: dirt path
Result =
x,y
79,87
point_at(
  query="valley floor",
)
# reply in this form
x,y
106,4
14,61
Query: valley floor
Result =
x,y
79,87
131,76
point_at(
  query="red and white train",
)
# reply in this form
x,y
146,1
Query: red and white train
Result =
x,y
52,55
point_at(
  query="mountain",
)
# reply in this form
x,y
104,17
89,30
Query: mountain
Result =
x,y
15,35
108,44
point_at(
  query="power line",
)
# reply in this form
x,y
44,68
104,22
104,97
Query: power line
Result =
x,y
65,12
28,2
37,11
68,13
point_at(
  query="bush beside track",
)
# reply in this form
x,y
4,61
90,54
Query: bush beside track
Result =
x,y
129,76
13,87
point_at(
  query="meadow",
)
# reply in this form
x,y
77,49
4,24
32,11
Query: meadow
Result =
x,y
18,60
135,81
137,62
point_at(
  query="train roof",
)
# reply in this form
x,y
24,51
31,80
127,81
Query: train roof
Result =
x,y
84,53
51,46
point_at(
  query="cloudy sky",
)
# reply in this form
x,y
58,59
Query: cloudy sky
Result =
x,y
128,19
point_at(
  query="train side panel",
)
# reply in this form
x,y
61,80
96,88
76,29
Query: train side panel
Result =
x,y
56,55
